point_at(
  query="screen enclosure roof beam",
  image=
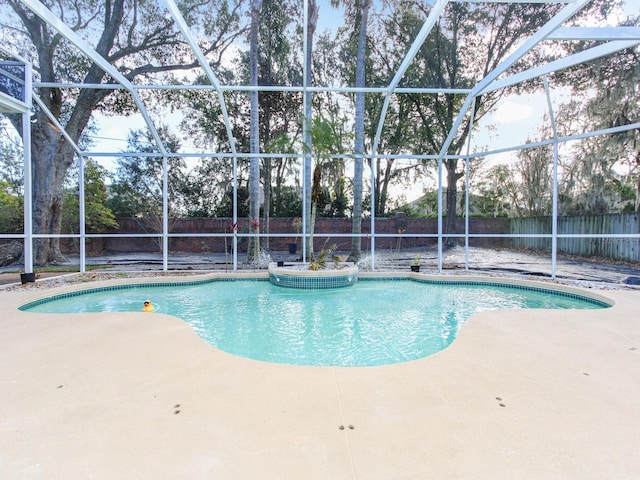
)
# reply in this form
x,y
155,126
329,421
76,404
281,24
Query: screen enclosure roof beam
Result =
x,y
562,63
254,88
434,14
197,51
45,14
547,29
596,33
513,1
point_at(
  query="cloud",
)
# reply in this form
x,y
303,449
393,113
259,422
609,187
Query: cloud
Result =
x,y
513,120
514,110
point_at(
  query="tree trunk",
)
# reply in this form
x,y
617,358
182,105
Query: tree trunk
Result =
x,y
267,200
637,201
384,191
315,197
356,226
51,154
253,251
311,28
312,228
451,202
51,157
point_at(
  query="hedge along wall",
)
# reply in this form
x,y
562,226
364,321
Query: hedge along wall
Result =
x,y
324,226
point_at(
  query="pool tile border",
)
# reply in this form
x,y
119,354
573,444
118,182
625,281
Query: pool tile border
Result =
x,y
326,281
282,276
131,285
494,283
311,282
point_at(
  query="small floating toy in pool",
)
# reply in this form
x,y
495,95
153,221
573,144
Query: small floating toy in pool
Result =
x,y
148,307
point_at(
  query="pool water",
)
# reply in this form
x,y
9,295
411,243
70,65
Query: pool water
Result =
x,y
370,323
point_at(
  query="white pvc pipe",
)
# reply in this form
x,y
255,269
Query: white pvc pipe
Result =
x,y
165,214
554,198
81,214
466,189
440,214
28,179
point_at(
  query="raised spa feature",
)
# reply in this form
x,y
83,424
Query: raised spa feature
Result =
x,y
373,322
299,275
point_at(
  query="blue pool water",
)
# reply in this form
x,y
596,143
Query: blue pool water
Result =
x,y
370,323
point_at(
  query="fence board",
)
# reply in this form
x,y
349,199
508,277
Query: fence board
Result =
x,y
625,249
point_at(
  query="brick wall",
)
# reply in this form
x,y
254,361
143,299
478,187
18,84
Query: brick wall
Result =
x,y
285,226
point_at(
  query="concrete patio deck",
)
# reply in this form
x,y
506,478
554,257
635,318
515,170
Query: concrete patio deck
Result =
x,y
519,395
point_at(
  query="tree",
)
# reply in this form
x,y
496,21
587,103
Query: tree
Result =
x,y
400,134
278,115
598,173
253,253
11,183
497,191
136,37
138,186
605,95
326,140
312,23
535,172
279,111
11,164
285,200
98,216
359,11
469,42
206,188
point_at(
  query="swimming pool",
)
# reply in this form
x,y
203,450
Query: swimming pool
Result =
x,y
374,322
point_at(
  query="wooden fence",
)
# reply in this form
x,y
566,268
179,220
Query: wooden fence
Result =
x,y
625,249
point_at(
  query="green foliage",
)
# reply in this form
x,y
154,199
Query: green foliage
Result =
x,y
138,39
319,262
98,216
466,43
137,187
426,206
496,190
11,209
207,189
285,200
599,174
339,199
11,200
11,166
410,211
328,138
289,202
225,207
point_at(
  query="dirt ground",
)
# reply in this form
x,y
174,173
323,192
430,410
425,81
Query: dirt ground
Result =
x,y
480,260
8,278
